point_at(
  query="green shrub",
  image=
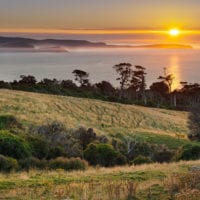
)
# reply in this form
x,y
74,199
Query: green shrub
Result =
x,y
55,152
101,154
8,164
39,147
139,148
161,153
13,146
68,164
32,163
189,152
7,121
120,159
139,160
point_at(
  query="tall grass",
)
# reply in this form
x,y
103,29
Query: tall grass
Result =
x,y
153,181
103,116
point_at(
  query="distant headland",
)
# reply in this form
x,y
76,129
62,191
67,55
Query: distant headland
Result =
x,y
55,45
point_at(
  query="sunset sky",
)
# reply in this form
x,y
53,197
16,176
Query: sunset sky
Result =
x,y
118,20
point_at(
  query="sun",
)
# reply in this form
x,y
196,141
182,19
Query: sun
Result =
x,y
174,32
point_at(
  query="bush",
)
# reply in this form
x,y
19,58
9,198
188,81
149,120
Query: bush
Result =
x,y
7,122
68,164
120,159
161,153
55,152
8,164
32,163
189,152
56,134
39,147
101,154
13,146
139,160
139,148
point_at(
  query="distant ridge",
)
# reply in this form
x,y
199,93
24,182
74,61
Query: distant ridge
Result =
x,y
27,44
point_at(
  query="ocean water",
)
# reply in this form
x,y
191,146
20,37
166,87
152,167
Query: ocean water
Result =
x,y
183,63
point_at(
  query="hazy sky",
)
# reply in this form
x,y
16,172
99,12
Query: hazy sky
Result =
x,y
99,14
78,19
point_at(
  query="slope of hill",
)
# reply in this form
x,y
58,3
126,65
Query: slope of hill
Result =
x,y
104,117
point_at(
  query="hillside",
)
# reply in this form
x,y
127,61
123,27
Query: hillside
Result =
x,y
40,181
104,117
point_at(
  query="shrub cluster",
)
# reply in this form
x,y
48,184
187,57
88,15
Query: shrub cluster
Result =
x,y
8,164
13,146
103,154
68,164
53,146
189,152
139,160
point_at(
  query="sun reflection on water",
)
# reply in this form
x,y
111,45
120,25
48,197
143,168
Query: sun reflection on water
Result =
x,y
174,68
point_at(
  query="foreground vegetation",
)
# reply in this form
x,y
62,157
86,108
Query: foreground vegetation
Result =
x,y
153,181
46,154
36,129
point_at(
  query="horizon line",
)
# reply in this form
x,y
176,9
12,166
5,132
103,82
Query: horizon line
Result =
x,y
96,31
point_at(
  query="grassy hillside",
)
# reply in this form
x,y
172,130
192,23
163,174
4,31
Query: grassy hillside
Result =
x,y
154,125
153,181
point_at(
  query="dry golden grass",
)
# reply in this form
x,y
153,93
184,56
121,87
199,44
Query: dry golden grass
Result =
x,y
103,116
96,183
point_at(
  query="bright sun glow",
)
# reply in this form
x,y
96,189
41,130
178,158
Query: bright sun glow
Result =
x,y
174,32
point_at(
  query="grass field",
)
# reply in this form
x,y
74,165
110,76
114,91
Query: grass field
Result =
x,y
95,183
116,120
104,117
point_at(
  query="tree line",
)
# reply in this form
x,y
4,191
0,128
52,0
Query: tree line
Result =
x,y
132,88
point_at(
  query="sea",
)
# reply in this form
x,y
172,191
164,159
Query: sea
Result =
x,y
184,64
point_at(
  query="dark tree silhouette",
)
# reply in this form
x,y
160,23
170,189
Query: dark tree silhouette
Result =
x,y
81,77
167,78
124,70
68,84
105,88
160,87
29,80
138,81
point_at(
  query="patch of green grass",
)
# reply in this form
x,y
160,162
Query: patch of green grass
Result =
x,y
169,141
155,192
6,185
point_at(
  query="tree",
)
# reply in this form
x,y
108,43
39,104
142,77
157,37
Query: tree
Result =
x,y
105,88
138,81
124,70
159,93
29,80
167,78
160,87
68,84
81,77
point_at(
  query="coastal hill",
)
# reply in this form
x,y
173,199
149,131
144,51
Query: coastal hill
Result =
x,y
152,124
54,45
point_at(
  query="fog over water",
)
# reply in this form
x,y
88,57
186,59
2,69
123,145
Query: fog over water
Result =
x,y
183,63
